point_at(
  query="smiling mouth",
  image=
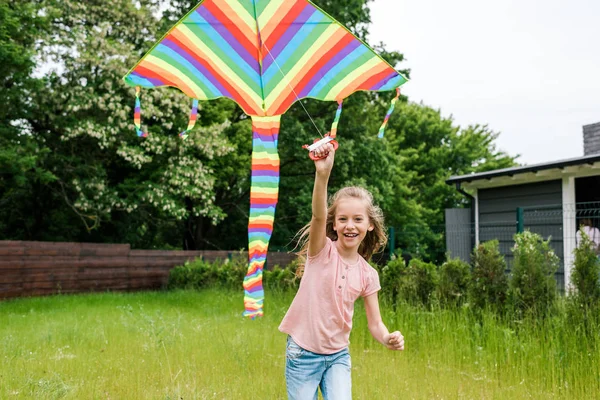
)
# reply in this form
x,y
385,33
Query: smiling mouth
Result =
x,y
351,235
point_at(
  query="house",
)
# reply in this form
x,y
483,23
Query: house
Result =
x,y
551,199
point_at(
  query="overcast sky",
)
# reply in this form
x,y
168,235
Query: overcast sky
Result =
x,y
530,69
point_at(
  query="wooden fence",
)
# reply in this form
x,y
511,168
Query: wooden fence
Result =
x,y
44,268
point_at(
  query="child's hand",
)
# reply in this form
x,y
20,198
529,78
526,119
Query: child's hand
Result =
x,y
326,164
394,341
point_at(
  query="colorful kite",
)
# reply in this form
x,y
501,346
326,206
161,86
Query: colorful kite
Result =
x,y
264,55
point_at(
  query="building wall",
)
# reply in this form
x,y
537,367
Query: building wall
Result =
x,y
460,233
542,203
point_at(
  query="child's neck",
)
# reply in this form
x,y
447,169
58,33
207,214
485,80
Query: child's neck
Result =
x,y
349,255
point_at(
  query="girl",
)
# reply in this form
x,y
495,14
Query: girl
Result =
x,y
318,323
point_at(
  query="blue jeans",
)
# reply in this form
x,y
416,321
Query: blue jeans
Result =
x,y
306,372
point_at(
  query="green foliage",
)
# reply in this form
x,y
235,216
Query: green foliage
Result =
x,y
586,273
489,286
74,170
455,279
282,279
414,284
393,279
229,274
532,283
425,278
431,149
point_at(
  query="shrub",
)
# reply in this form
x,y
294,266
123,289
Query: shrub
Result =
x,y
230,274
393,277
413,284
532,284
489,285
585,274
287,278
455,278
194,274
426,279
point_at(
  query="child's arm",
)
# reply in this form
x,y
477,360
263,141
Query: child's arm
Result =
x,y
316,234
393,341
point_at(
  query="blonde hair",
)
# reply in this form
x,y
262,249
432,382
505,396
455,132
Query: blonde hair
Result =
x,y
373,241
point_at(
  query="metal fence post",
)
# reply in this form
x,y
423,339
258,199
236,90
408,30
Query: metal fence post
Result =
x,y
520,220
392,241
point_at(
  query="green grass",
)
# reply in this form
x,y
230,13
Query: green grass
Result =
x,y
196,345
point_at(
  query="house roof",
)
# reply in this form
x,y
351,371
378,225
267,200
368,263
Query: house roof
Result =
x,y
589,165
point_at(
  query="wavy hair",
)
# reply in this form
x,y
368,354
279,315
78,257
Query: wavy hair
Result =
x,y
374,240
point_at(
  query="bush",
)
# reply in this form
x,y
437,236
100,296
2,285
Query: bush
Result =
x,y
287,278
393,277
586,272
194,274
426,279
455,278
489,284
230,274
413,284
532,284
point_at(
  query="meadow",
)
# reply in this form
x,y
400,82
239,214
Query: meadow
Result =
x,y
195,345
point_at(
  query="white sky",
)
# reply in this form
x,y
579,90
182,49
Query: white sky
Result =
x,y
530,69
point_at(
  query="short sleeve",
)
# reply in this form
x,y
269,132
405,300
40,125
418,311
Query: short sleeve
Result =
x,y
324,255
372,282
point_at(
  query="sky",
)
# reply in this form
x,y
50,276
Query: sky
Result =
x,y
529,69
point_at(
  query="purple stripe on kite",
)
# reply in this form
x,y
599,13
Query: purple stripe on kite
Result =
x,y
260,230
265,173
229,38
265,138
350,47
285,39
258,288
155,81
385,80
258,259
203,70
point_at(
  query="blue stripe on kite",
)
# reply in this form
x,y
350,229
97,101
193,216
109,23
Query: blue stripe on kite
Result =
x,y
292,47
183,64
331,74
392,83
137,80
234,57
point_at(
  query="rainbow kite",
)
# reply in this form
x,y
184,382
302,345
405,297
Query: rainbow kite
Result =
x,y
264,55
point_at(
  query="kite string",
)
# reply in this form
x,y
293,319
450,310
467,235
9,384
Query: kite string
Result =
x,y
290,85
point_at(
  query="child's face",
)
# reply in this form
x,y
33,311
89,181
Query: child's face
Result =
x,y
351,222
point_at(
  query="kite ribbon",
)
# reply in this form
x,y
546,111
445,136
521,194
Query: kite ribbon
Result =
x,y
193,118
137,114
387,117
334,125
264,191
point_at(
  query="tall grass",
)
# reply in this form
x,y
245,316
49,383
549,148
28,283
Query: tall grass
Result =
x,y
196,345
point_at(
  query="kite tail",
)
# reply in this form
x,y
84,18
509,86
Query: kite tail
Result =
x,y
390,111
137,114
263,199
193,118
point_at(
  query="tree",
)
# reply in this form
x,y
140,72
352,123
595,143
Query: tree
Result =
x,y
433,148
21,159
119,187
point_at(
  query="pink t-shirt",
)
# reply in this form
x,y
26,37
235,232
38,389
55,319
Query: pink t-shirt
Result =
x,y
320,317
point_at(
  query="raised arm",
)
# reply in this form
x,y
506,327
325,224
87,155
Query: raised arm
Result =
x,y
316,233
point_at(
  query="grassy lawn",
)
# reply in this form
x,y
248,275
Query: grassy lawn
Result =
x,y
196,345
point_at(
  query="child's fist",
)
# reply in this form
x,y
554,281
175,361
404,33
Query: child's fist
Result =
x,y
394,341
